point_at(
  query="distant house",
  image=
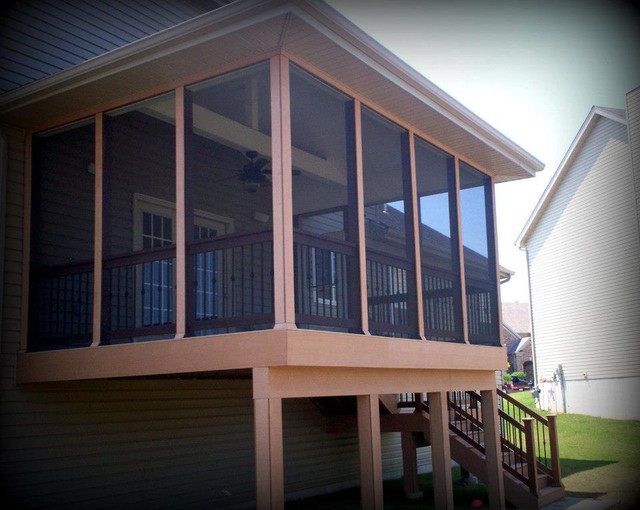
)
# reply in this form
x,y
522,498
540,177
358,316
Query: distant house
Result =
x,y
516,336
240,238
583,251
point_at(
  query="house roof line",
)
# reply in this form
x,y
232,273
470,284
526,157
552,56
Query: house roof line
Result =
x,y
238,15
139,51
613,114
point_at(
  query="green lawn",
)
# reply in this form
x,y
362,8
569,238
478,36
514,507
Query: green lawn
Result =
x,y
600,458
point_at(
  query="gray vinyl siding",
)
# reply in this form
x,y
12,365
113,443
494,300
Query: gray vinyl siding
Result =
x,y
633,126
39,38
584,255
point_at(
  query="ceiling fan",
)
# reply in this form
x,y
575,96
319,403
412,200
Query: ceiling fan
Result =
x,y
254,173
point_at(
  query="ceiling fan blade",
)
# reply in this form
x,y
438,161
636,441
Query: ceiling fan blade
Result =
x,y
260,162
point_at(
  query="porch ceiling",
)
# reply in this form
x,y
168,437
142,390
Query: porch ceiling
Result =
x,y
310,33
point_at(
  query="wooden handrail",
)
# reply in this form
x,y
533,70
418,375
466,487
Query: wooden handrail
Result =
x,y
522,407
325,243
228,241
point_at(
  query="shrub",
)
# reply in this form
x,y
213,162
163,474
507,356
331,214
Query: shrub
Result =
x,y
507,377
520,375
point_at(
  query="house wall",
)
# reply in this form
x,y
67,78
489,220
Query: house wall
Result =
x,y
633,126
147,443
585,288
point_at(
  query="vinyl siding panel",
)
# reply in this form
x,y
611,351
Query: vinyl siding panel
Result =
x,y
162,444
12,280
583,259
633,127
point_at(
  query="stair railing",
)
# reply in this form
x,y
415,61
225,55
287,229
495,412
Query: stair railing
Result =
x,y
529,440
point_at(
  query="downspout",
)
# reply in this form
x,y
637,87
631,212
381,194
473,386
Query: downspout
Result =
x,y
533,343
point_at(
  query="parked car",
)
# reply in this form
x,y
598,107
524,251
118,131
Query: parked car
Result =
x,y
518,384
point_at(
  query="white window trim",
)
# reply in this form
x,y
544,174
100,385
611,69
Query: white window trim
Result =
x,y
145,203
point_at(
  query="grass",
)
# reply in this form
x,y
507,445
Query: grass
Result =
x,y
394,497
600,458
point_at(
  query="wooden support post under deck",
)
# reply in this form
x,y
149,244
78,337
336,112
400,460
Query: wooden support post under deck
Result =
x,y
410,465
268,444
370,452
440,450
494,480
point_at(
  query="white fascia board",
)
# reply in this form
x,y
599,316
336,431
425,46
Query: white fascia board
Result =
x,y
581,136
376,56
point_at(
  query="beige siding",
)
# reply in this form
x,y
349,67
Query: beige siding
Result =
x,y
12,293
583,260
162,443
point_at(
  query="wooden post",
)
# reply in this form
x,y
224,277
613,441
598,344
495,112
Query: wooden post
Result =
x,y
417,255
268,444
362,246
440,450
410,465
554,451
530,442
26,243
494,476
283,288
100,186
370,452
181,224
455,212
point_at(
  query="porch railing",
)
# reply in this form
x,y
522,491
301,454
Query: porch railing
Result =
x,y
230,288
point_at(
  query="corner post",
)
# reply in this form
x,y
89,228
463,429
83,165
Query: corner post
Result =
x,y
283,266
370,452
268,452
440,450
494,480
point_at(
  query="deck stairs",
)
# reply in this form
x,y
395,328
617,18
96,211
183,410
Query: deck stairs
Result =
x,y
528,440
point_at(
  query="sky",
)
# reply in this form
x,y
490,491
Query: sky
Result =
x,y
531,69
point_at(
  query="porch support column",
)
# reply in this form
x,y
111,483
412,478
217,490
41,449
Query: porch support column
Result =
x,y
410,465
283,288
370,452
268,444
440,450
494,480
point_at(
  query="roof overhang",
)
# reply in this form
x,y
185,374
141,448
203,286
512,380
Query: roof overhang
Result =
x,y
310,33
595,113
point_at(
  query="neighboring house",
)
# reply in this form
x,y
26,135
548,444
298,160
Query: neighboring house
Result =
x,y
583,251
224,229
516,336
